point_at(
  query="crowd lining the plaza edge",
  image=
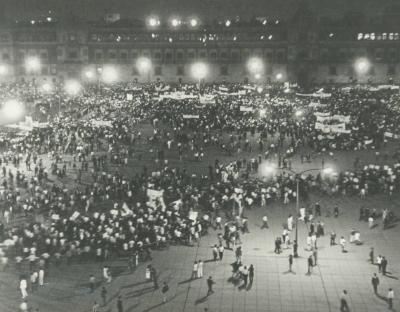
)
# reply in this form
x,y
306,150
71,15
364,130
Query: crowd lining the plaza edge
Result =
x,y
69,180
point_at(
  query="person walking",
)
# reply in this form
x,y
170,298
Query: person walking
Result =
x,y
251,274
390,297
375,283
200,266
120,306
164,291
238,253
290,262
310,264
210,283
344,306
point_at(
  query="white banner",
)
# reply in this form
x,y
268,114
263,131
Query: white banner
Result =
x,y
190,116
207,99
246,109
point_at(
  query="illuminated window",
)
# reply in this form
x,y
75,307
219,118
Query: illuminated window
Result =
x,y
384,36
391,35
360,36
372,36
366,36
396,36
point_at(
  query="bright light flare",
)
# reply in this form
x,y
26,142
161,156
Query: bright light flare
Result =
x,y
255,65
263,113
143,64
328,170
279,76
299,113
199,70
3,69
194,22
109,74
153,21
362,65
32,64
11,111
72,87
268,169
260,89
175,22
89,74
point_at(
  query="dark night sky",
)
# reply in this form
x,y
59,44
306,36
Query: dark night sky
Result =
x,y
94,9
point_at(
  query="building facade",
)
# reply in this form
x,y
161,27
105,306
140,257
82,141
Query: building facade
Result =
x,y
303,49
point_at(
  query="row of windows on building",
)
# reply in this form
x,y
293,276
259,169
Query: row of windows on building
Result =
x,y
222,70
378,36
193,36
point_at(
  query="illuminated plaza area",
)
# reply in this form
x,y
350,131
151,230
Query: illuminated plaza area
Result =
x,y
201,160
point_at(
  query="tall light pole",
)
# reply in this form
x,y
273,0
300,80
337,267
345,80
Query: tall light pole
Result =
x,y
298,177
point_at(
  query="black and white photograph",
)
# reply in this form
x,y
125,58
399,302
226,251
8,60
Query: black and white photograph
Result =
x,y
199,155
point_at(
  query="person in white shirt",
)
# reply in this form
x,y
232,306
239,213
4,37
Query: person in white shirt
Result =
x,y
22,286
200,269
41,277
343,244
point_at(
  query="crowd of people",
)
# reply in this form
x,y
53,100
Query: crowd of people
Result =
x,y
75,180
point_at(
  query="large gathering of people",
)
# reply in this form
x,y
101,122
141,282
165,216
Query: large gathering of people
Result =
x,y
106,173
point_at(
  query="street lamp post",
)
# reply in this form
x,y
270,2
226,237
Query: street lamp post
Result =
x,y
298,176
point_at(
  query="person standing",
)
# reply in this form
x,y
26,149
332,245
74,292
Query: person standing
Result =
x,y
375,283
95,307
104,295
221,252
265,222
379,262
371,255
215,252
333,238
315,256
310,264
251,274
390,297
164,291
290,262
23,286
344,306
41,277
195,270
120,306
238,253
200,266
343,243
245,275
384,265
92,283
210,283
